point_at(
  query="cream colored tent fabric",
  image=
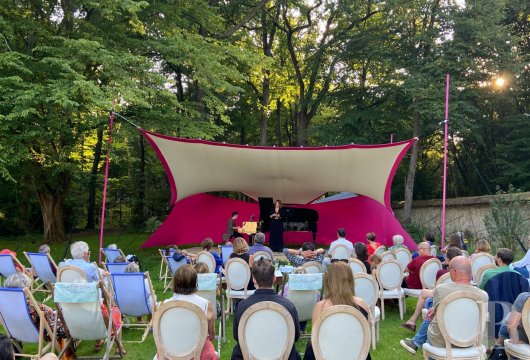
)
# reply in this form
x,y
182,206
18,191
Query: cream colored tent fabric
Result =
x,y
294,175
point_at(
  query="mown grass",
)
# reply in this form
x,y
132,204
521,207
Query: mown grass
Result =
x,y
388,347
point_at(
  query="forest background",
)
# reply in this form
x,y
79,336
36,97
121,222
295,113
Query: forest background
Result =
x,y
268,72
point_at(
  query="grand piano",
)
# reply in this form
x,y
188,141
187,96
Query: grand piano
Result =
x,y
297,218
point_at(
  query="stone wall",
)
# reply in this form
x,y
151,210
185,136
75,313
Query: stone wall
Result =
x,y
462,214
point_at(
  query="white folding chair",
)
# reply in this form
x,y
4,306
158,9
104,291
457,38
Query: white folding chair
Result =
x,y
116,268
304,293
172,265
389,275
258,255
312,267
404,256
367,288
520,351
357,266
444,279
479,260
224,252
341,332
79,305
340,251
134,297
269,318
17,322
45,269
427,277
237,277
207,289
9,264
387,255
381,249
112,254
207,258
480,272
461,318
180,329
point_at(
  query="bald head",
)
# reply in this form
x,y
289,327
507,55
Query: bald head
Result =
x,y
460,269
424,249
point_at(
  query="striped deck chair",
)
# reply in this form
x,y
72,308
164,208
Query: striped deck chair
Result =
x,y
14,312
112,254
79,306
128,290
173,266
9,265
116,268
45,269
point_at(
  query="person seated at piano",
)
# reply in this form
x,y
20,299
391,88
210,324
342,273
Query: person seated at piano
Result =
x,y
232,231
259,240
305,254
277,217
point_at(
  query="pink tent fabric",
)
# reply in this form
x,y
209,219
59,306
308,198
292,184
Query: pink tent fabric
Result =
x,y
202,215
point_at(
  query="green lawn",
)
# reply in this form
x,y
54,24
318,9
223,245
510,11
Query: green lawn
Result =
x,y
387,348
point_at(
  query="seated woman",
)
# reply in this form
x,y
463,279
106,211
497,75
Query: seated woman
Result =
x,y
338,290
361,252
134,268
397,241
372,244
483,246
185,288
241,252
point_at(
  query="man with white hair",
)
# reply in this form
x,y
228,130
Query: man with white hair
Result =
x,y
259,240
81,258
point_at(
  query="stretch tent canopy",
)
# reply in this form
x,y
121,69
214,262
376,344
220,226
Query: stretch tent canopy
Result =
x,y
294,175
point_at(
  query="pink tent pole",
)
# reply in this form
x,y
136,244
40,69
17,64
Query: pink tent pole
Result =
x,y
105,181
446,122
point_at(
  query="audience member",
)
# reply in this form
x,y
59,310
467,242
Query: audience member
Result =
x,y
454,240
429,331
263,275
303,255
513,326
207,245
134,268
81,258
372,244
201,268
375,260
338,290
341,240
428,237
44,249
503,260
185,288
7,352
259,240
523,266
412,281
397,241
18,267
241,252
112,247
483,246
361,251
425,294
120,259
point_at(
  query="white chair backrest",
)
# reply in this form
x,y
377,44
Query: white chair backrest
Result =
x,y
112,254
367,288
133,293
266,318
389,275
465,253
428,273
42,265
341,332
404,256
357,266
7,267
225,252
15,315
207,258
312,267
462,318
479,260
207,288
340,251
182,341
434,250
237,274
304,293
71,274
116,268
388,255
381,249
444,279
174,265
480,272
262,255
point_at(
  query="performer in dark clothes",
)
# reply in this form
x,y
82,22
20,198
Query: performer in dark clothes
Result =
x,y
232,231
276,227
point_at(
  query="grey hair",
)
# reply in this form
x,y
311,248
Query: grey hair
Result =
x,y
397,239
44,249
112,247
78,249
132,268
17,280
259,238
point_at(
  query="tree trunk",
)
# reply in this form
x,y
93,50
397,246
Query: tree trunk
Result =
x,y
91,222
303,122
264,107
278,124
139,209
409,183
52,216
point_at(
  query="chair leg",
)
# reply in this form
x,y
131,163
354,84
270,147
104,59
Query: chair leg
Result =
x,y
377,330
382,308
401,302
373,336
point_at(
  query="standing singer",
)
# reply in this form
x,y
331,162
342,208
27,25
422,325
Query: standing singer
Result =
x,y
276,227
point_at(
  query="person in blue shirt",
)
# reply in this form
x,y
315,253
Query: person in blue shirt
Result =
x,y
81,258
207,245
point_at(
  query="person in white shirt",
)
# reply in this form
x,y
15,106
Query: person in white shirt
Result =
x,y
341,240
